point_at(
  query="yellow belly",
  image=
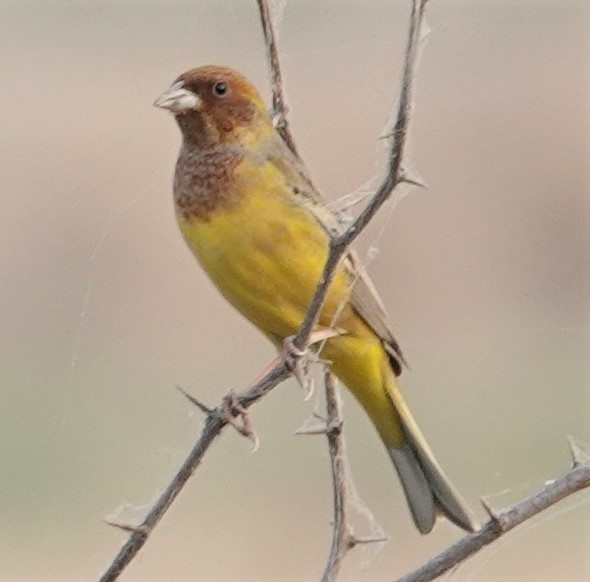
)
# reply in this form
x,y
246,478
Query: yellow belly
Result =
x,y
266,252
266,255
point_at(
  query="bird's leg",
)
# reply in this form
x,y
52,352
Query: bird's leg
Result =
x,y
298,360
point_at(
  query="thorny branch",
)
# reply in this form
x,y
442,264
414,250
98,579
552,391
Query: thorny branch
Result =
x,y
576,479
218,419
343,537
279,104
394,176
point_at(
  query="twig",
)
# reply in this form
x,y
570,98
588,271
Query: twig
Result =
x,y
279,104
215,423
577,478
342,533
217,420
394,176
343,537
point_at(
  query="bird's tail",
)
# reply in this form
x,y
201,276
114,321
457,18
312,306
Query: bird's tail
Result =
x,y
428,490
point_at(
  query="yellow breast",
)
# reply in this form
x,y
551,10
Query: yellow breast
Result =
x,y
265,253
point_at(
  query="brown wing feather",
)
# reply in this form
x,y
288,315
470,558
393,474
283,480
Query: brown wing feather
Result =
x,y
367,303
364,297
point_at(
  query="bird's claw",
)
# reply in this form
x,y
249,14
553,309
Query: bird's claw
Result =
x,y
297,360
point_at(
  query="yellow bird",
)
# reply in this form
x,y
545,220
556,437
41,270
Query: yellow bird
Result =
x,y
249,213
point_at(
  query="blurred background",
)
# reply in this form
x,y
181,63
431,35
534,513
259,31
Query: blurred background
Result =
x,y
103,310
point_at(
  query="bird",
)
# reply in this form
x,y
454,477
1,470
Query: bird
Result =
x,y
248,211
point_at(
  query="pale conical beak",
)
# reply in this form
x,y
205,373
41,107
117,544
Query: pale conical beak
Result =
x,y
178,99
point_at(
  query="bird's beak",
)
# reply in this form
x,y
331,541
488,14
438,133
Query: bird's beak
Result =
x,y
178,99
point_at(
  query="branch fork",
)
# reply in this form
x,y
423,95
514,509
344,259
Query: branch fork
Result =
x,y
217,419
235,406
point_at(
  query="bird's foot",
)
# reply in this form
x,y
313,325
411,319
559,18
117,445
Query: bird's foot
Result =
x,y
299,359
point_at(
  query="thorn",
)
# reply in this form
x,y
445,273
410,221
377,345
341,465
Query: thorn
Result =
x,y
413,182
310,389
576,452
204,409
229,410
494,515
354,540
405,177
313,429
128,527
318,416
325,427
393,134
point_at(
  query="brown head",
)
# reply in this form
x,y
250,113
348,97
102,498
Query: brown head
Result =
x,y
214,105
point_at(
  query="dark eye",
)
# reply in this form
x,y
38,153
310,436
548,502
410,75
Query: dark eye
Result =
x,y
220,88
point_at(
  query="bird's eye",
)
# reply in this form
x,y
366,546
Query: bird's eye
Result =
x,y
220,88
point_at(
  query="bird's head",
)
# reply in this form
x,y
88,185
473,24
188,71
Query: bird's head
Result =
x,y
215,105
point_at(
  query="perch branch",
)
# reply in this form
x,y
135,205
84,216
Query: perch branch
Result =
x,y
280,108
342,537
218,419
576,479
394,176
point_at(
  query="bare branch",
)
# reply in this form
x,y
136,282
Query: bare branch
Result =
x,y
394,176
279,104
214,424
578,457
230,408
343,537
217,419
342,534
500,523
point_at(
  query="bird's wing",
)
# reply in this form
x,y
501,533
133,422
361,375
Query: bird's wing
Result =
x,y
368,304
364,297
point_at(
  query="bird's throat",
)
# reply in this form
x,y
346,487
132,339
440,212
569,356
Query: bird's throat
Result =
x,y
202,180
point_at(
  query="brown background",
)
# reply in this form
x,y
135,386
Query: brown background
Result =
x,y
103,309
